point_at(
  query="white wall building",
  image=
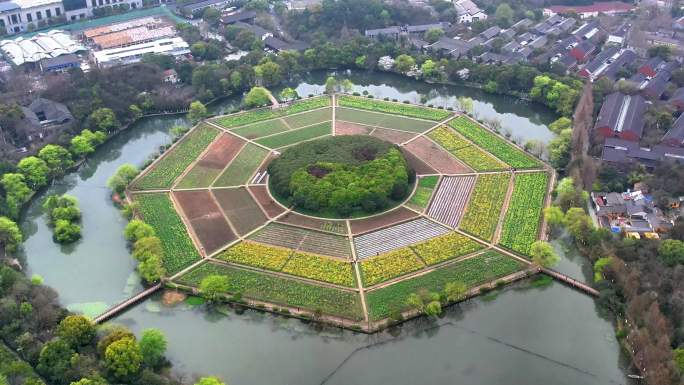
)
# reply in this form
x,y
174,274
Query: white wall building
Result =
x,y
174,46
91,5
17,15
468,11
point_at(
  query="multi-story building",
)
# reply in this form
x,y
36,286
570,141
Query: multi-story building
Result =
x,y
18,16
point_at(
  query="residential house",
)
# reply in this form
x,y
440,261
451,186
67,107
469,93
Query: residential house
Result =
x,y
196,9
630,212
451,47
277,45
677,99
170,76
621,152
395,31
522,25
60,63
583,50
592,10
675,135
467,11
234,17
596,66
621,116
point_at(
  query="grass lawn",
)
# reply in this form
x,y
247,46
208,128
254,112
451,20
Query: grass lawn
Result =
x,y
281,291
248,117
295,136
242,167
309,118
177,159
258,130
382,120
157,210
421,198
471,272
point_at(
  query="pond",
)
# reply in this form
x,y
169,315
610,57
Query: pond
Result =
x,y
523,336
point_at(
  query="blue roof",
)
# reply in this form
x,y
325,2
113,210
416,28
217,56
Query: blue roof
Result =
x,y
8,6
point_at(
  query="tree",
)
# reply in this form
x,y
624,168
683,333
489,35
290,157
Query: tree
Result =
x,y
86,142
347,85
330,85
66,232
76,330
135,111
104,119
543,254
213,287
269,72
113,334
209,381
137,229
428,68
404,63
504,15
671,251
288,94
211,15
197,111
663,51
90,381
122,177
554,216
123,358
54,361
455,291
16,192
35,170
256,97
465,104
152,346
151,269
433,309
10,235
560,124
433,34
415,302
579,224
57,158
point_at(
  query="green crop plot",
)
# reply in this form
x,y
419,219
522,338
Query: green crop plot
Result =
x,y
242,167
296,136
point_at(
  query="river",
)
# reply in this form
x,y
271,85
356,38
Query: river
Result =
x,y
522,335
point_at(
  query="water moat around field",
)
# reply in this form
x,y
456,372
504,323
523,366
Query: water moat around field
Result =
x,y
526,335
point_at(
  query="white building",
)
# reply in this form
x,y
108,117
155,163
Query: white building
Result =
x,y
174,46
18,16
92,5
468,11
41,46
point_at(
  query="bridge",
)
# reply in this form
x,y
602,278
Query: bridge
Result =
x,y
123,306
570,282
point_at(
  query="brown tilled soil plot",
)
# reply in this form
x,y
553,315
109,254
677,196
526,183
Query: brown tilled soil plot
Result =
x,y
242,211
339,227
436,157
392,136
271,208
420,167
205,217
395,216
222,151
346,128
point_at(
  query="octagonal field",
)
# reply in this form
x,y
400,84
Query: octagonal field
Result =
x,y
469,210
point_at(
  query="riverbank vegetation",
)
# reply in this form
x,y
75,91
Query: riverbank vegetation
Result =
x,y
63,217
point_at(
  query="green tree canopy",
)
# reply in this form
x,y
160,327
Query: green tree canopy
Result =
x,y
671,251
288,94
146,247
197,111
256,97
330,85
137,229
54,361
152,346
57,158
213,287
560,124
433,309
543,254
433,34
151,269
76,330
17,192
35,170
104,119
403,63
66,232
455,291
123,358
111,334
10,235
122,177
